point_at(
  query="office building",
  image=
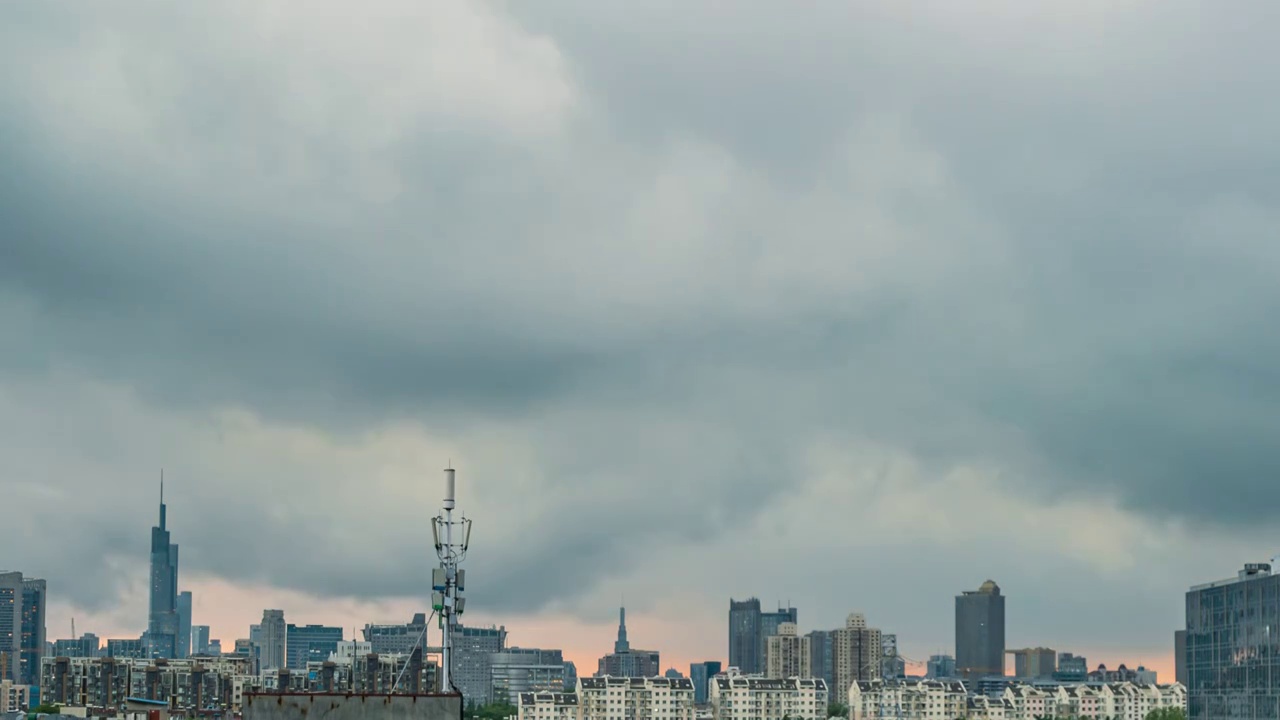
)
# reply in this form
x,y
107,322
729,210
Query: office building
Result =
x,y
33,629
1071,669
184,624
129,648
980,632
200,640
653,698
519,671
700,675
749,631
940,667
626,662
86,646
822,662
100,686
162,620
10,625
1034,663
787,654
1180,656
858,653
734,696
472,669
1232,646
309,643
570,676
397,638
272,635
745,636
215,648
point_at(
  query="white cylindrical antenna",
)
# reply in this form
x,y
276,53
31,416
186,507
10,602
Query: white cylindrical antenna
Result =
x,y
448,489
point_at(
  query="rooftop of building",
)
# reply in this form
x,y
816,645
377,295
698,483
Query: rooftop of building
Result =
x,y
547,697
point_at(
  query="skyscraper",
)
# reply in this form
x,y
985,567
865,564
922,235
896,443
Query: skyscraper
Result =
x,y
1231,653
271,646
625,662
744,636
162,621
822,656
10,624
184,624
980,632
32,642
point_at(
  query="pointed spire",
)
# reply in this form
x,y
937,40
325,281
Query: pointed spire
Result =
x,y
622,646
162,499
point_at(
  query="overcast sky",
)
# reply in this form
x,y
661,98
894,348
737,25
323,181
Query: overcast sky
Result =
x,y
854,305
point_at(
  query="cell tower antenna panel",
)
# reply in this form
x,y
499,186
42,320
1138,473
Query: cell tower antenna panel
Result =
x,y
451,539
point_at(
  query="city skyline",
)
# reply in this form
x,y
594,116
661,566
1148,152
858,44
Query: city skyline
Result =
x,y
856,306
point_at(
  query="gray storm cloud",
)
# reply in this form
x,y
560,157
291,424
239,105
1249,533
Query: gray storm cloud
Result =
x,y
634,264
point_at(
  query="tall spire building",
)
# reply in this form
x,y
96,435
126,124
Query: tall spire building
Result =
x,y
625,662
161,639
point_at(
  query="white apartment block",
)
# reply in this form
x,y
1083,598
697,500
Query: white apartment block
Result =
x,y
738,697
941,700
907,699
618,698
787,654
547,706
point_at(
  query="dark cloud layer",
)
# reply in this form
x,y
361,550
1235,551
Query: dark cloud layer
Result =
x,y
662,252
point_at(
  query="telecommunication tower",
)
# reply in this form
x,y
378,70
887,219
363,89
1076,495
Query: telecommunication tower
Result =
x,y
448,581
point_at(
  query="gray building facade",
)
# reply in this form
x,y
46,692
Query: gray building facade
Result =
x,y
940,667
700,674
749,632
980,632
472,669
1232,653
822,661
744,636
515,671
184,624
395,639
273,633
199,639
310,643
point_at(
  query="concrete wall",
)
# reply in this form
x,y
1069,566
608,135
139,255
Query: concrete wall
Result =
x,y
341,706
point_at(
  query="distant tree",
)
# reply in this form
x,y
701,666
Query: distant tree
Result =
x,y
836,709
47,709
1167,714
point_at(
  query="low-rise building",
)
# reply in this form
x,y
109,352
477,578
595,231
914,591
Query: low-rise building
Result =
x,y
737,697
932,700
547,706
619,698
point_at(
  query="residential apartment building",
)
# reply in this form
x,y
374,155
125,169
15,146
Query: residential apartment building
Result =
x,y
103,684
547,706
858,653
1232,654
738,697
14,697
657,698
787,654
946,700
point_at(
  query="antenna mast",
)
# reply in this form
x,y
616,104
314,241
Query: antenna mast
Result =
x,y
448,581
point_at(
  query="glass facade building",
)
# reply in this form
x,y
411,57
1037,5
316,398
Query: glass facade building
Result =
x,y
980,632
1232,652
